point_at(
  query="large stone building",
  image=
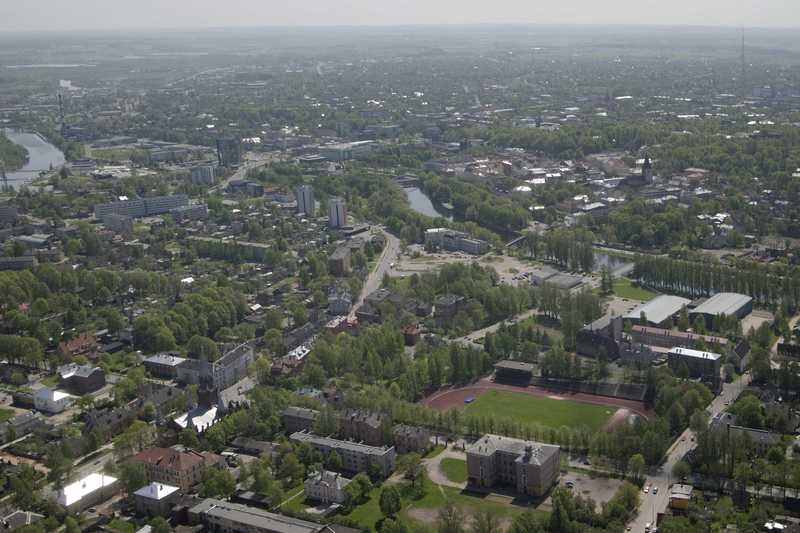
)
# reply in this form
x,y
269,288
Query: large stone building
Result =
x,y
298,419
224,372
81,379
364,426
177,468
326,487
529,467
339,261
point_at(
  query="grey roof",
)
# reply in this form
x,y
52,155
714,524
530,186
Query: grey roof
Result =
x,y
336,444
490,444
659,308
235,354
373,420
328,478
564,281
83,371
301,412
165,359
514,365
723,303
257,519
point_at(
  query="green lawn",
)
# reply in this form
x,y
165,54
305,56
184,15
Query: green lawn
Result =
x,y
433,452
6,414
541,410
369,514
624,288
121,526
50,381
454,469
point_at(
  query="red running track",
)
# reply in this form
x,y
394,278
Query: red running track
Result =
x,y
450,397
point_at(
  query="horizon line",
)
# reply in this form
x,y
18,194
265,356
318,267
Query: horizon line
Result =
x,y
177,29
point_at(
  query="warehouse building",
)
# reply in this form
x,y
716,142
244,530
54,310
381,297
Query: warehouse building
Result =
x,y
724,303
659,311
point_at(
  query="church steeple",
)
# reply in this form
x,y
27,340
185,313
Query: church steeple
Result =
x,y
647,170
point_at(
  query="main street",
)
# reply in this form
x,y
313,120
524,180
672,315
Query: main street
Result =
x,y
388,257
652,504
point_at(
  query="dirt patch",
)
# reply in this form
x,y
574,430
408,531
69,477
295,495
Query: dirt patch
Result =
x,y
619,418
431,516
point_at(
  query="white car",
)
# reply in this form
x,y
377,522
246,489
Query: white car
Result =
x,y
646,490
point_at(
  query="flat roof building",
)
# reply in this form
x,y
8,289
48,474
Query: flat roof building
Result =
x,y
724,303
86,492
659,310
218,515
355,457
699,364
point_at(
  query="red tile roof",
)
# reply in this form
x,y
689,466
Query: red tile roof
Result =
x,y
174,459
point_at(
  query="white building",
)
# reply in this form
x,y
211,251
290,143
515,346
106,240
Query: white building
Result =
x,y
91,490
51,401
337,212
304,194
156,499
326,487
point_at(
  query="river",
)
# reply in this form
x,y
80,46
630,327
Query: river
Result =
x,y
420,203
41,156
619,266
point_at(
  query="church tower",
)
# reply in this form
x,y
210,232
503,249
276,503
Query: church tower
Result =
x,y
647,170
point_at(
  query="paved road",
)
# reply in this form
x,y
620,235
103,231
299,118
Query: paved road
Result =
x,y
652,504
388,256
241,173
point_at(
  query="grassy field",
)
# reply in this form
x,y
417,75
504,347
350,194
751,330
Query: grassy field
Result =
x,y
368,514
454,469
6,414
624,288
541,410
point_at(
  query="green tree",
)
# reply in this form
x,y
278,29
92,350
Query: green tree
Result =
x,y
160,525
636,467
450,519
390,501
681,469
485,520
218,483
201,347
132,475
71,525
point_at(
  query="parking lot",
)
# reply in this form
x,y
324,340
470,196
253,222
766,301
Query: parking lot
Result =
x,y
599,489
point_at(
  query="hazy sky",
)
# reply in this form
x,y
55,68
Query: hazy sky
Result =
x,y
54,15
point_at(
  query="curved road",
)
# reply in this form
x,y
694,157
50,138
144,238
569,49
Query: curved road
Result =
x,y
373,282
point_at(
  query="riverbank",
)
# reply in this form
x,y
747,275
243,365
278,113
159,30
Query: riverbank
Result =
x,y
41,156
12,155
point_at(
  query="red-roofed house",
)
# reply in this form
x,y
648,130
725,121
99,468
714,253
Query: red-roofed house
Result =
x,y
85,343
177,468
